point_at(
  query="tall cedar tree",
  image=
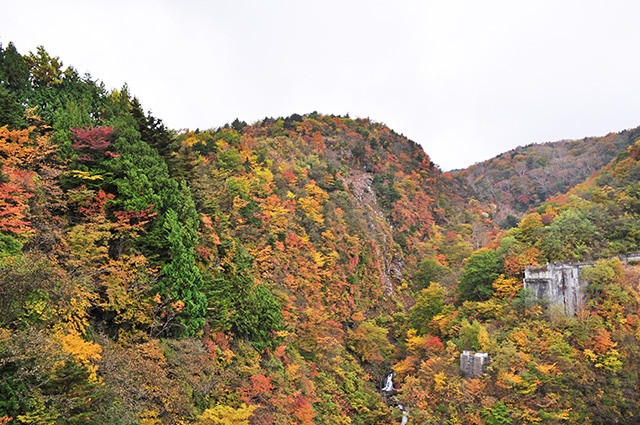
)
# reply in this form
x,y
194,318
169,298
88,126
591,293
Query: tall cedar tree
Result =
x,y
249,310
181,281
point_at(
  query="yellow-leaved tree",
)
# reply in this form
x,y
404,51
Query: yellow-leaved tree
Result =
x,y
222,415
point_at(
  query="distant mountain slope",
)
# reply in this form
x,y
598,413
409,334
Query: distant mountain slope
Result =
x,y
524,177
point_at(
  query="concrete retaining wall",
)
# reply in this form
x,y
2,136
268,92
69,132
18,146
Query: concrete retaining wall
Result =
x,y
559,284
474,365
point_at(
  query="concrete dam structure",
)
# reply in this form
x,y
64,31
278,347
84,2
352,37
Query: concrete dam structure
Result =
x,y
474,365
559,284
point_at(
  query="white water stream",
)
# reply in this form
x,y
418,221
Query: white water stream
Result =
x,y
388,383
388,388
405,414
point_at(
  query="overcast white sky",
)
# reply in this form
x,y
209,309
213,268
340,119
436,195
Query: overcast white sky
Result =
x,y
465,79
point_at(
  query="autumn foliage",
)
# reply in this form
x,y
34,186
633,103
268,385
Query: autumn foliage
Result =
x,y
277,272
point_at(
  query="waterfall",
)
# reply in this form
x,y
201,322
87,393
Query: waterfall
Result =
x,y
388,388
388,384
405,414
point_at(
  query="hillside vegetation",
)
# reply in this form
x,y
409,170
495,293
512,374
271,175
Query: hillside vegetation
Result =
x,y
276,273
524,177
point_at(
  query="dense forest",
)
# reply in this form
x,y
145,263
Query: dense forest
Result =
x,y
278,272
523,178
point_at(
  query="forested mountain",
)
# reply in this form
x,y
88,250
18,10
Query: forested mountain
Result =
x,y
524,177
276,273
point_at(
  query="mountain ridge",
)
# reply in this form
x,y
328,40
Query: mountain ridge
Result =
x,y
524,177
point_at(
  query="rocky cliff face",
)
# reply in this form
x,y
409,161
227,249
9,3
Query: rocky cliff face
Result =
x,y
359,184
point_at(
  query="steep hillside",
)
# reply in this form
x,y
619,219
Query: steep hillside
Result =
x,y
276,273
262,268
546,367
596,219
524,177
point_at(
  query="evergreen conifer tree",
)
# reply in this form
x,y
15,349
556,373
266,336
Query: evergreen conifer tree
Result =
x,y
182,281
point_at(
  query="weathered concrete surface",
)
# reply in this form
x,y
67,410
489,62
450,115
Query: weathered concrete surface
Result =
x,y
474,365
629,258
559,284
